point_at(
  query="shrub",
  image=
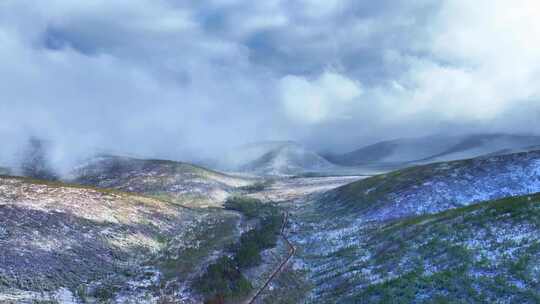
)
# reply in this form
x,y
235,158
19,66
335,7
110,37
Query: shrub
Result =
x,y
250,207
223,280
257,187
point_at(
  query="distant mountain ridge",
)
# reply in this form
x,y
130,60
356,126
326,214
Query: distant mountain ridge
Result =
x,y
275,158
287,159
410,151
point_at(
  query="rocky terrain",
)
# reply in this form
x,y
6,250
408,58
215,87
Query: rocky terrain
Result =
x,y
344,247
183,183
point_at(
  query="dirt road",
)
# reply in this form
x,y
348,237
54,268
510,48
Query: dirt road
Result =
x,y
292,251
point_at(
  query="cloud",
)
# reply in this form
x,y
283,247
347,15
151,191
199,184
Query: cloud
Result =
x,y
477,64
325,98
181,79
86,78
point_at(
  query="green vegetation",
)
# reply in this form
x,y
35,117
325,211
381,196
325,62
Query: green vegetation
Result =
x,y
310,174
264,236
249,207
59,184
257,186
187,200
252,208
476,254
364,193
214,234
223,281
289,287
177,182
104,293
367,193
256,240
449,286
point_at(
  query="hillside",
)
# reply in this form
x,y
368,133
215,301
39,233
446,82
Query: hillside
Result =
x,y
287,159
339,234
436,187
483,253
61,242
409,151
183,183
234,158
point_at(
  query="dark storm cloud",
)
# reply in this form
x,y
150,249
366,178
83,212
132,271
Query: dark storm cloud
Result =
x,y
182,78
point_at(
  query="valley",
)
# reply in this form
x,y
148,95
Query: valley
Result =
x,y
125,230
145,247
270,152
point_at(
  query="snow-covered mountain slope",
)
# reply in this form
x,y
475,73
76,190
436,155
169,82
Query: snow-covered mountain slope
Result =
x,y
184,183
484,253
238,157
437,187
403,152
287,159
337,233
60,241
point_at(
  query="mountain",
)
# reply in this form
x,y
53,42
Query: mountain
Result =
x,y
436,187
183,183
422,232
62,243
410,151
238,157
282,158
483,253
466,230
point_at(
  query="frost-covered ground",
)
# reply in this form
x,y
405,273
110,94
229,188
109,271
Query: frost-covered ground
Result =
x,y
349,257
66,243
437,187
408,236
183,183
291,189
484,253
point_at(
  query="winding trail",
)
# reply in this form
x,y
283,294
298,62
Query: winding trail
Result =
x,y
294,190
279,269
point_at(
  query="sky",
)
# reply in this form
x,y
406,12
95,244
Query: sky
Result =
x,y
185,79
